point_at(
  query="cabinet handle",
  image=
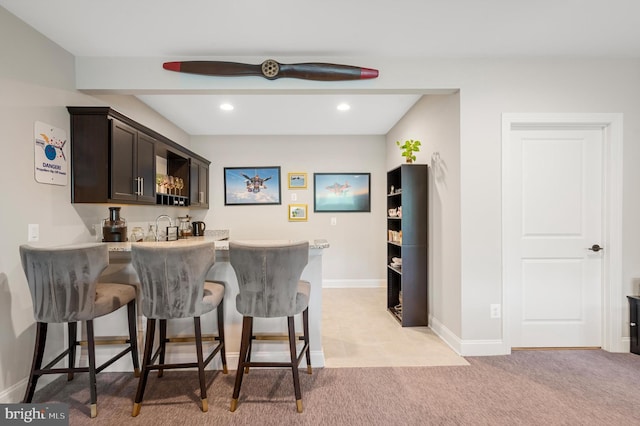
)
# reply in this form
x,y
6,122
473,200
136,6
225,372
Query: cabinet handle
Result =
x,y
141,186
201,197
138,189
633,324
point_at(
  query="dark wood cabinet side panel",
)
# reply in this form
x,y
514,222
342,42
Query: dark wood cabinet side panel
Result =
x,y
414,286
89,159
414,204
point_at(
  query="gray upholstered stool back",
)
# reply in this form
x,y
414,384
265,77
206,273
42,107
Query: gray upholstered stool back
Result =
x,y
62,280
269,277
172,278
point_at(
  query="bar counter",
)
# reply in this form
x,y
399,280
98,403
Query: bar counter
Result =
x,y
121,270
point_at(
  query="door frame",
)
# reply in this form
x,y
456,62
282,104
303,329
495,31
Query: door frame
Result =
x,y
612,296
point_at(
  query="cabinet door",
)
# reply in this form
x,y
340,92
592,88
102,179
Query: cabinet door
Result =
x,y
194,184
198,184
146,168
203,185
123,166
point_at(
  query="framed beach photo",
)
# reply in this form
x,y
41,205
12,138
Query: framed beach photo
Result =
x,y
341,192
297,180
251,185
297,212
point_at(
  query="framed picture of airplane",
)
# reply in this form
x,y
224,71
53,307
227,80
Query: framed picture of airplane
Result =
x,y
251,185
297,181
341,192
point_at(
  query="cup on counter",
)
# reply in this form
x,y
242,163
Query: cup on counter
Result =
x,y
137,234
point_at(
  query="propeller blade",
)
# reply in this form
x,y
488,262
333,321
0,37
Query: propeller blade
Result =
x,y
272,70
217,68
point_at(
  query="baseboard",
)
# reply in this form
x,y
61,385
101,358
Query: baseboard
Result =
x,y
15,393
366,283
467,347
445,334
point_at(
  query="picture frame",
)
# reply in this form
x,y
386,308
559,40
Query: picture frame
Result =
x,y
342,192
297,180
298,213
252,186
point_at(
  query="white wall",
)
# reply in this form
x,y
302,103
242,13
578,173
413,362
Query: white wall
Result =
x,y
357,255
435,121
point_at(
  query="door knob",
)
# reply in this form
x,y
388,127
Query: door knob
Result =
x,y
595,247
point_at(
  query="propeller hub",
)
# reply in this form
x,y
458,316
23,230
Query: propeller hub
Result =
x,y
270,68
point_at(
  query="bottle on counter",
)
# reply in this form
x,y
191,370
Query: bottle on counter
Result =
x,y
151,234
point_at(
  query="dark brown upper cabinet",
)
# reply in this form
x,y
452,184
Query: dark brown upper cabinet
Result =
x,y
114,160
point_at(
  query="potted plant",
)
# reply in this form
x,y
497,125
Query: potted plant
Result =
x,y
408,148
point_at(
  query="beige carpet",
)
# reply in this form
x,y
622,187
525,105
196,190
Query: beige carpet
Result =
x,y
525,388
357,331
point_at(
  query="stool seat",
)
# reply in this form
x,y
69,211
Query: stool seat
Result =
x,y
111,296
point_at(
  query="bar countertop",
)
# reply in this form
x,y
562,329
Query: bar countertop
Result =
x,y
220,244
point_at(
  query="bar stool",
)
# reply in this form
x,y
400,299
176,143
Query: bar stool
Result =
x,y
269,286
64,289
172,279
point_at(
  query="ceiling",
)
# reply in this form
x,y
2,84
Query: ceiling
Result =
x,y
331,28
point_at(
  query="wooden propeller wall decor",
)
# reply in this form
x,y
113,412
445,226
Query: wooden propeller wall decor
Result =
x,y
272,70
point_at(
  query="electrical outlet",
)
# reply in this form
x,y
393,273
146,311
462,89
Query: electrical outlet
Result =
x,y
33,232
495,310
334,220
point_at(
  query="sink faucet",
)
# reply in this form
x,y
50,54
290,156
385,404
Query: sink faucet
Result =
x,y
162,216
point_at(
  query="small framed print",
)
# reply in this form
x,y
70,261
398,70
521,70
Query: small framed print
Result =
x,y
297,212
297,180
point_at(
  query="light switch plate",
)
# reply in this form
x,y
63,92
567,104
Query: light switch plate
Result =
x,y
33,232
294,197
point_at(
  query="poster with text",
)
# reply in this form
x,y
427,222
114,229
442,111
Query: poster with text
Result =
x,y
51,158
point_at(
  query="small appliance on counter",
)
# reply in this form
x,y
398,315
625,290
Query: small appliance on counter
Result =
x,y
198,228
184,227
114,228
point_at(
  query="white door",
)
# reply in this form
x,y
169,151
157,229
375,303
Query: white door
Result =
x,y
554,215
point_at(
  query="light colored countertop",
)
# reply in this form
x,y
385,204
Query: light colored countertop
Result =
x,y
220,245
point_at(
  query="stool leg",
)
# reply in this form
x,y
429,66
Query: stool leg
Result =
x,y
133,336
91,347
163,344
38,352
247,326
248,358
305,327
203,384
223,354
72,328
294,363
146,362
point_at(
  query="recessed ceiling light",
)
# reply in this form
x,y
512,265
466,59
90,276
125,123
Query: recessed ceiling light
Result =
x,y
226,107
344,107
